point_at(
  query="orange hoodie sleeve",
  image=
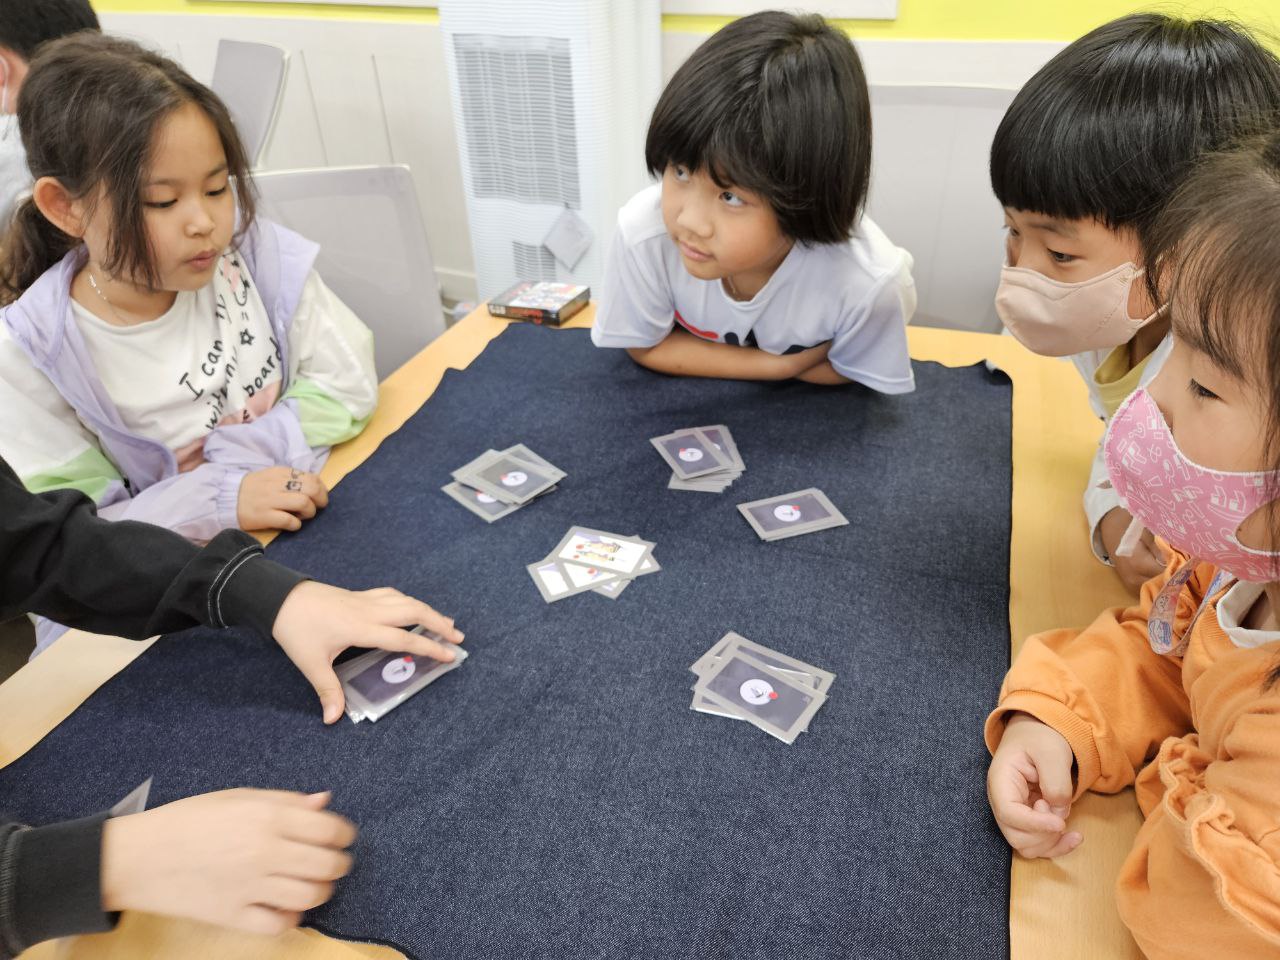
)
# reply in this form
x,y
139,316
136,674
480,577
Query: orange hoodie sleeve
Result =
x,y
1103,688
1203,879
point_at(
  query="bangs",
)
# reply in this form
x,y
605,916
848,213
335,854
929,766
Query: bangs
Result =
x,y
1111,125
1216,262
729,148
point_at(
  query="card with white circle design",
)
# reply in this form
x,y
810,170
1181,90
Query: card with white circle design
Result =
x,y
690,453
509,478
380,680
777,704
804,511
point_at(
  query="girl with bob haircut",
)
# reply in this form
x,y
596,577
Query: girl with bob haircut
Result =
x,y
163,350
1177,696
752,258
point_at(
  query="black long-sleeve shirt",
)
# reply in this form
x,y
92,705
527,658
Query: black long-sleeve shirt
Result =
x,y
60,560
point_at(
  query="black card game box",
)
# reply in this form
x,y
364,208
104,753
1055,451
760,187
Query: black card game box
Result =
x,y
543,302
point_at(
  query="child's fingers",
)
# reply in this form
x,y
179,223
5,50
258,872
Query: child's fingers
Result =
x,y
315,489
405,611
402,641
1020,817
1009,804
265,920
1066,843
1054,780
308,862
319,829
299,504
279,520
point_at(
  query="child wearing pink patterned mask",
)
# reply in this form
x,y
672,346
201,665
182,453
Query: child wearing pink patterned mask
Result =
x,y
1179,696
1086,156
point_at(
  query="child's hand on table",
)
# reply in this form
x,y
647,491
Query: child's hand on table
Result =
x,y
279,498
253,860
1029,787
1148,559
317,622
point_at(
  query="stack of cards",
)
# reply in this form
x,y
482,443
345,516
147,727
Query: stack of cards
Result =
x,y
587,559
379,681
500,482
745,681
704,459
805,511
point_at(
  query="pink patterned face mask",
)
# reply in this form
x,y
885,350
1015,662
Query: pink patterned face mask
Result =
x,y
1197,510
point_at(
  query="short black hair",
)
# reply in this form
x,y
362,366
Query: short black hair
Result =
x,y
1109,127
25,24
777,104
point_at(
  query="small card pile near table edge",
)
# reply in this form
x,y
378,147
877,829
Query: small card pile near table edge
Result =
x,y
743,680
586,559
499,482
703,459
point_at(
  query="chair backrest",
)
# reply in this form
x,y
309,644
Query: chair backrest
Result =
x,y
249,77
373,248
931,193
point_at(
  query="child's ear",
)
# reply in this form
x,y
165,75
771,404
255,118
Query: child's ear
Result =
x,y
65,212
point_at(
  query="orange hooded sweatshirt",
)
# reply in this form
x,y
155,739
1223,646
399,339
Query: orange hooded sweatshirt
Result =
x,y
1199,738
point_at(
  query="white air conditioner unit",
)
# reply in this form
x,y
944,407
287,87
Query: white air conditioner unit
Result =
x,y
552,100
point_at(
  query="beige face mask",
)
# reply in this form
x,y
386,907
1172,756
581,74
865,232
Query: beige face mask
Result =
x,y
1057,319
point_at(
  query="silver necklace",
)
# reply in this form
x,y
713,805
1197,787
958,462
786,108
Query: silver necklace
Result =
x,y
110,306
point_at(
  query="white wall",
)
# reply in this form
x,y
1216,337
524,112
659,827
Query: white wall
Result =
x,y
374,92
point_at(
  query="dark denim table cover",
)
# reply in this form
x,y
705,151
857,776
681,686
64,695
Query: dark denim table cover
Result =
x,y
555,797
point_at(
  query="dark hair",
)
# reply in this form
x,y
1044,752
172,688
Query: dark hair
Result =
x,y
1214,256
1111,125
776,104
25,24
88,112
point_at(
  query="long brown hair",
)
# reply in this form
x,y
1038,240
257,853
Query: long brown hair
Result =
x,y
1214,256
88,111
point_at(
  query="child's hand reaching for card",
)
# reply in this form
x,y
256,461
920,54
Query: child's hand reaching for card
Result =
x,y
317,622
1029,787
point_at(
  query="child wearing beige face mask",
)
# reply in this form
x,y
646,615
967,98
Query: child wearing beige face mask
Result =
x,y
1088,154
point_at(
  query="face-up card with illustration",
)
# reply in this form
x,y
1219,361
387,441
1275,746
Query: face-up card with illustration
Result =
x,y
556,580
550,579
613,589
608,551
804,511
769,700
690,454
483,505
510,478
